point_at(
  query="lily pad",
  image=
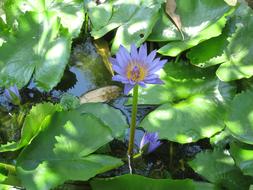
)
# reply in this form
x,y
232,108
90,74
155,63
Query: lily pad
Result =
x,y
231,49
42,49
188,121
110,116
133,182
243,156
67,143
240,117
201,20
33,124
70,12
220,169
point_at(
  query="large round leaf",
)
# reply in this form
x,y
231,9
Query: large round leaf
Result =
x,y
133,182
240,117
243,156
63,152
220,169
70,12
188,121
110,116
39,47
31,126
201,20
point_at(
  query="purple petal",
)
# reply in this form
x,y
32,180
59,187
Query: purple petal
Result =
x,y
120,78
151,56
157,66
142,84
133,52
118,69
153,81
143,51
123,57
128,88
150,139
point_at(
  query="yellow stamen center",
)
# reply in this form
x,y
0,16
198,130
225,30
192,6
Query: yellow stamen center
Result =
x,y
136,72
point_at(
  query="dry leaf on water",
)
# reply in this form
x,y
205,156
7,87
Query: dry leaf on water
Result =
x,y
101,95
171,11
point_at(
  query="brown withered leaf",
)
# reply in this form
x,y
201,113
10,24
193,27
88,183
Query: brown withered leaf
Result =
x,y
104,51
231,2
171,11
103,94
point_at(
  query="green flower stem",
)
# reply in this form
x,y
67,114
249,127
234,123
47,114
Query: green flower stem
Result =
x,y
132,126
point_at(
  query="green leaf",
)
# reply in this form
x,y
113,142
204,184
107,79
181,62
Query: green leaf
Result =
x,y
67,143
41,49
110,116
127,17
188,121
33,124
137,29
238,52
164,29
219,169
181,81
240,117
133,182
231,48
122,12
70,12
243,156
201,20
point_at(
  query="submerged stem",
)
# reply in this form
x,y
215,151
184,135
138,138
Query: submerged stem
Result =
x,y
132,127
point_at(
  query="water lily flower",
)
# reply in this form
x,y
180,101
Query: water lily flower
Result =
x,y
12,94
149,142
136,67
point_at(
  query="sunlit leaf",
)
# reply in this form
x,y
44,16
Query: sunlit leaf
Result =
x,y
243,156
33,124
201,20
110,116
220,169
67,144
70,12
240,117
188,121
42,49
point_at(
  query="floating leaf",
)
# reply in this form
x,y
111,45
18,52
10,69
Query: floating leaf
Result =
x,y
42,49
240,117
231,49
110,116
70,12
201,20
133,182
103,94
33,124
220,169
188,121
243,156
67,143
